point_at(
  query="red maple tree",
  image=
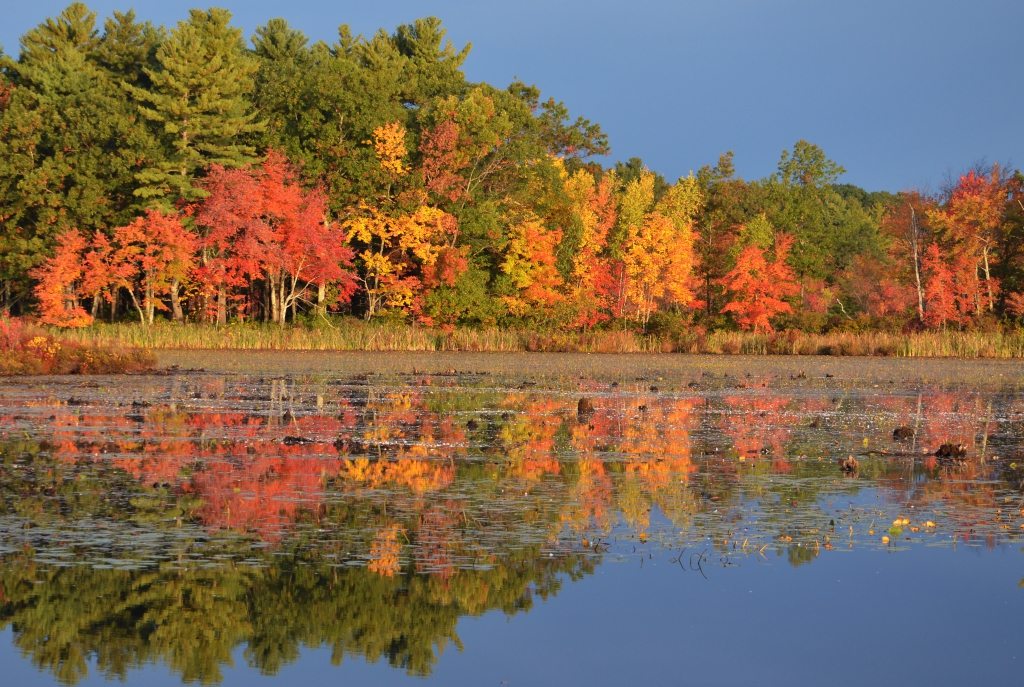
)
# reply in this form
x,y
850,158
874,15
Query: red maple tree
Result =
x,y
260,224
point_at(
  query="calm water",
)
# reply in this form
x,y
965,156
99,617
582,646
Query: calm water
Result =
x,y
479,525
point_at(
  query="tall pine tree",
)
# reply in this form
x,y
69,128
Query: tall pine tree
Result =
x,y
70,144
198,100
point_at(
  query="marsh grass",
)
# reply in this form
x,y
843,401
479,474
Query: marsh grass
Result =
x,y
36,353
356,335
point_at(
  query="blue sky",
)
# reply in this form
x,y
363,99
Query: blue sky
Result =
x,y
901,93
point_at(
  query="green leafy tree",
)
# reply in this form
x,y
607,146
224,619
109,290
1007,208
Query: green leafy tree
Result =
x,y
800,199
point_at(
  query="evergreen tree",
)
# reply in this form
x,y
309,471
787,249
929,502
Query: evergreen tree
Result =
x,y
198,101
433,66
322,104
71,144
278,42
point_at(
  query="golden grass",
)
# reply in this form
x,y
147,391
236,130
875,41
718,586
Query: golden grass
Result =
x,y
946,344
356,335
55,357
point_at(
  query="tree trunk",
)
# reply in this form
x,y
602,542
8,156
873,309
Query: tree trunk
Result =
x,y
295,302
222,305
282,304
915,246
988,278
115,297
138,307
149,305
321,295
920,288
95,305
265,300
272,287
707,292
176,314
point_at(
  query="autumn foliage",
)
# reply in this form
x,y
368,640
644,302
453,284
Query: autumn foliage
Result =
x,y
255,227
759,284
260,226
296,184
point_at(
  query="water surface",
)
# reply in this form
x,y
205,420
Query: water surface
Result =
x,y
467,520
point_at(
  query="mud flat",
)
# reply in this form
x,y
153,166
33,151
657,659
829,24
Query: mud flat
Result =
x,y
673,368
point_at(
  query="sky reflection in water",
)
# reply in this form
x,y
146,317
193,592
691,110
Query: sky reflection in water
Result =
x,y
692,530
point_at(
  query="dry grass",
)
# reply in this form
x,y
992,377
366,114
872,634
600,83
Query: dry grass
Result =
x,y
947,344
356,335
46,355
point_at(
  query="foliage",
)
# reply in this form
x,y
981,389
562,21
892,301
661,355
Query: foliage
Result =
x,y
370,177
197,100
758,285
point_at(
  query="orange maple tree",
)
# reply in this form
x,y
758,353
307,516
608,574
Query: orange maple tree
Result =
x,y
938,289
146,257
757,286
971,220
59,281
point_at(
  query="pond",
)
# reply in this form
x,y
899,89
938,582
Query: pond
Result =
x,y
514,520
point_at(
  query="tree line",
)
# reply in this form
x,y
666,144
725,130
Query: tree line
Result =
x,y
188,174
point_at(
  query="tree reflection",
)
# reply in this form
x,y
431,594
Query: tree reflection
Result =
x,y
296,513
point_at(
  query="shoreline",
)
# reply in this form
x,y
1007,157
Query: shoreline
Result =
x,y
727,371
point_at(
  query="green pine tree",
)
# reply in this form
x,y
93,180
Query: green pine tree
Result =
x,y
198,100
70,145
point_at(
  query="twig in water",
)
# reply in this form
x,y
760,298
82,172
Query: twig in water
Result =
x,y
700,557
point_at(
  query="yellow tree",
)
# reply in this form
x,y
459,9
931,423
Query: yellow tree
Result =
x,y
396,236
592,205
657,252
530,262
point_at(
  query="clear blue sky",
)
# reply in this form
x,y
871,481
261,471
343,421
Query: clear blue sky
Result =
x,y
901,93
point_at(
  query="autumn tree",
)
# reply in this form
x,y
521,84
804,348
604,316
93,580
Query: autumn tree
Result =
x,y
592,207
259,224
147,256
59,279
530,263
398,233
971,219
759,284
906,223
874,286
460,137
939,289
657,250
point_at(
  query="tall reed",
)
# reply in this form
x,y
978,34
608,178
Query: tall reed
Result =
x,y
356,335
